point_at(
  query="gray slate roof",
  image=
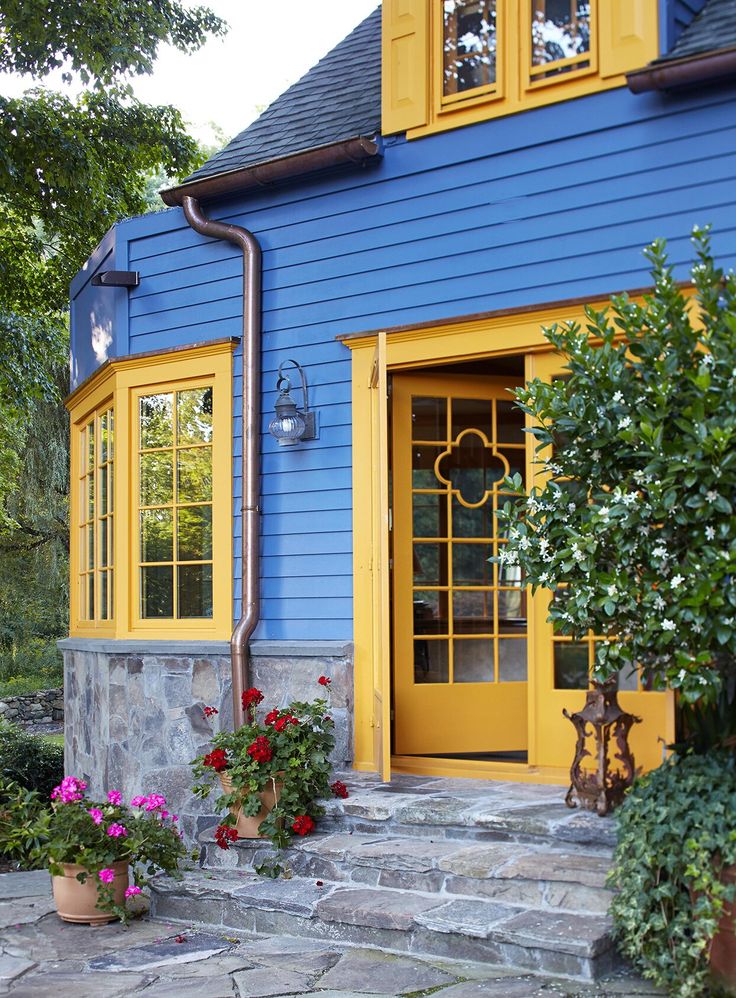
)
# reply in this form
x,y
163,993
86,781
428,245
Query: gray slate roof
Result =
x,y
339,98
712,29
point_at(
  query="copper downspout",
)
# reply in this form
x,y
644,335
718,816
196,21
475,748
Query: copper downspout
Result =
x,y
250,510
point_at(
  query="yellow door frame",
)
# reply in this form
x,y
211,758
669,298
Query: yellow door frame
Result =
x,y
478,338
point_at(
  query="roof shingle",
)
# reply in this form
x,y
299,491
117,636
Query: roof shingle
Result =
x,y
713,29
339,98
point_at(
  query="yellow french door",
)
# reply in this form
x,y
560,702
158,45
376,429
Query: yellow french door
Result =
x,y
563,666
461,639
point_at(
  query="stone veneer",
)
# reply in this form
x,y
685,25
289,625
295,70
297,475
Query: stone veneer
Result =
x,y
133,709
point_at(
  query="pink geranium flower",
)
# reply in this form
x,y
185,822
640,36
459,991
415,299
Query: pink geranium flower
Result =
x,y
106,876
154,802
138,801
95,814
115,797
69,790
115,830
131,891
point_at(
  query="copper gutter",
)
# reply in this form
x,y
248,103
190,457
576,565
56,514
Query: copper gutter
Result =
x,y
669,75
250,510
357,151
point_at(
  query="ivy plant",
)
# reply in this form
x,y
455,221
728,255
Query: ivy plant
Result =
x,y
632,523
675,836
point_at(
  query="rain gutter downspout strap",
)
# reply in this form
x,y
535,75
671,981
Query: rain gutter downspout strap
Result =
x,y
250,611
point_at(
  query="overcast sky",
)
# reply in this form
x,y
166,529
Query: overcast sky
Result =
x,y
268,47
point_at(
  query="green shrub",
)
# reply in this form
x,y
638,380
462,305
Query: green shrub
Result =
x,y
20,811
35,665
30,760
676,832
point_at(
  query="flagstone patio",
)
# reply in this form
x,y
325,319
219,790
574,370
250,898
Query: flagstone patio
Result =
x,y
42,957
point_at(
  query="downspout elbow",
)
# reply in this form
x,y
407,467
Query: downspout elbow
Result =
x,y
250,611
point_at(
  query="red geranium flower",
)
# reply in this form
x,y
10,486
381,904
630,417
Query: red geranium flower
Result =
x,y
224,835
284,721
216,759
271,716
210,711
251,698
324,681
303,824
339,789
260,749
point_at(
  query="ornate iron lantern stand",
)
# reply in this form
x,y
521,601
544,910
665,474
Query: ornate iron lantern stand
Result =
x,y
601,789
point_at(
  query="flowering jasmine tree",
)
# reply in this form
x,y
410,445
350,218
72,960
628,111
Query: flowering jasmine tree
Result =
x,y
635,519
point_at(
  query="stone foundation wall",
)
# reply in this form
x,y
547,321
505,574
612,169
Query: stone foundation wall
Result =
x,y
134,719
41,707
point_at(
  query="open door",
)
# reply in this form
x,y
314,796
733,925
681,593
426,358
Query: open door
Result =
x,y
381,719
460,617
562,666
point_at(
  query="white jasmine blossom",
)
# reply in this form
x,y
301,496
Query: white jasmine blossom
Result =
x,y
660,551
659,603
677,580
682,675
711,495
668,625
624,423
710,533
617,397
596,455
524,543
612,591
630,498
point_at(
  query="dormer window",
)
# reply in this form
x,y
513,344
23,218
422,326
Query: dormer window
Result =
x,y
560,37
450,63
469,47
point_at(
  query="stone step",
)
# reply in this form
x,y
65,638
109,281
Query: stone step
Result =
x,y
565,944
478,810
527,875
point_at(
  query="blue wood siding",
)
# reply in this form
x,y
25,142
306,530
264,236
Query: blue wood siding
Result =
x,y
516,212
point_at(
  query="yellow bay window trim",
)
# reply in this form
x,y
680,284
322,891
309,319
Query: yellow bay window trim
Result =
x,y
623,37
183,377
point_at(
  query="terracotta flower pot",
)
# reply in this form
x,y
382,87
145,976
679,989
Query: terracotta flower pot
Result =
x,y
247,827
723,950
76,901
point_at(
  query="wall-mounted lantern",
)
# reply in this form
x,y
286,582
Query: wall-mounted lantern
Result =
x,y
601,786
290,424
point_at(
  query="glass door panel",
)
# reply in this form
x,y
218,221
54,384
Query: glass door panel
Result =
x,y
465,658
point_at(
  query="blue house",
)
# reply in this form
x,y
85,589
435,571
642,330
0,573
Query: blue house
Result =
x,y
291,407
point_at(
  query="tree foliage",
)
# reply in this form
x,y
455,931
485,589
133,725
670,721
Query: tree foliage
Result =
x,y
635,529
70,166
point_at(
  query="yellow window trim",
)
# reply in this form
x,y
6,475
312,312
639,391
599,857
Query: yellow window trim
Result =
x,y
624,33
119,382
405,349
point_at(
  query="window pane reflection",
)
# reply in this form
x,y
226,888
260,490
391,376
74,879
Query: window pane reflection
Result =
x,y
560,30
431,661
473,661
195,590
428,418
157,591
469,44
571,665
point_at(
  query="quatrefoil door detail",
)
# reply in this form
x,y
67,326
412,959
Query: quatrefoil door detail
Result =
x,y
472,468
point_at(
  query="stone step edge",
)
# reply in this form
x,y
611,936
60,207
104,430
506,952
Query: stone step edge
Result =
x,y
602,943
603,838
349,860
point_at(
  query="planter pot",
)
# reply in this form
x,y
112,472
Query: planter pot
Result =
x,y
247,827
76,901
723,950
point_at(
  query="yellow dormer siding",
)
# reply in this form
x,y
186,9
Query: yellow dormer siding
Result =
x,y
449,63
